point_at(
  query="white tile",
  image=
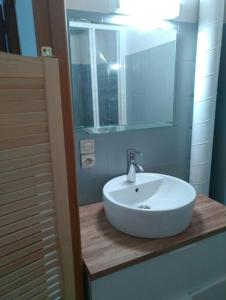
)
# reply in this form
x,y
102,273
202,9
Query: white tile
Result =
x,y
201,132
207,63
203,111
198,173
210,11
200,153
205,88
208,37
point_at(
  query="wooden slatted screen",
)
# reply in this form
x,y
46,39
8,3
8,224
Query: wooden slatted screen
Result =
x,y
35,240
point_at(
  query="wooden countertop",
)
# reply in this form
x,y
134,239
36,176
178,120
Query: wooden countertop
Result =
x,y
106,250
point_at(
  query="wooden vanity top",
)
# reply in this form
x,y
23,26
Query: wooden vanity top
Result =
x,y
106,250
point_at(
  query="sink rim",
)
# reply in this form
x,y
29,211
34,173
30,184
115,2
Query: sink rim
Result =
x,y
108,197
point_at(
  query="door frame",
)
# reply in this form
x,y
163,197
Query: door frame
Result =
x,y
51,30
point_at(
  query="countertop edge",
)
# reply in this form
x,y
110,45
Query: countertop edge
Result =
x,y
145,257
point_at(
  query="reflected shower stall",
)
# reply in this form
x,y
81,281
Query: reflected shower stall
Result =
x,y
97,71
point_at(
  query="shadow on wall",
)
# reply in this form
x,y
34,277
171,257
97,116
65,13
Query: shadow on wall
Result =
x,y
218,172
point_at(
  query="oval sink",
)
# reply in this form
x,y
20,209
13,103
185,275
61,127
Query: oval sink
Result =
x,y
156,206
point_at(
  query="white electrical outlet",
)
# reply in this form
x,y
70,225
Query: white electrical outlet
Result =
x,y
87,146
88,161
47,51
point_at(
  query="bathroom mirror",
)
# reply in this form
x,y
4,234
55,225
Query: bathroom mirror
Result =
x,y
123,76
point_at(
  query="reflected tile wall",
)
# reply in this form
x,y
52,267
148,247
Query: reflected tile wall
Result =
x,y
108,95
82,95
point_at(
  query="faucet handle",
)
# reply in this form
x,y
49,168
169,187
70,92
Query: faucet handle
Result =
x,y
138,153
131,155
134,152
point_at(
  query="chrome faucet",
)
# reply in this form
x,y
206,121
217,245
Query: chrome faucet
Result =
x,y
132,165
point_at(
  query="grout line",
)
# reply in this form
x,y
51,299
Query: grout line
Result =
x,y
207,99
200,144
200,164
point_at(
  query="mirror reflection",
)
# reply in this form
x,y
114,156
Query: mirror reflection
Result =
x,y
117,78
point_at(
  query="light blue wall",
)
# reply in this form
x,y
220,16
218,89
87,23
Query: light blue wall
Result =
x,y
218,176
166,150
26,28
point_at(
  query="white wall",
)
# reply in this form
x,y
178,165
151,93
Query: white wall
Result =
x,y
103,6
189,11
205,93
137,41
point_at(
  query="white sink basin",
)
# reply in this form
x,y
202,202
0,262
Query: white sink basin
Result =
x,y
156,206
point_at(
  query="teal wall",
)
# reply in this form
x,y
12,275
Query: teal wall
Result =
x,y
26,28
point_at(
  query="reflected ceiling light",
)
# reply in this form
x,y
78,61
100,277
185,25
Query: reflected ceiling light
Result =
x,y
115,67
151,9
142,24
147,25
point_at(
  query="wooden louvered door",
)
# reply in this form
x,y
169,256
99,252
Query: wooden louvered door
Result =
x,y
35,240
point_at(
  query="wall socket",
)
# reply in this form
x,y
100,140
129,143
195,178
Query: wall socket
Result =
x,y
87,146
88,161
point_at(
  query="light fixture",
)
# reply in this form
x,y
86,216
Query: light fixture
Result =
x,y
151,9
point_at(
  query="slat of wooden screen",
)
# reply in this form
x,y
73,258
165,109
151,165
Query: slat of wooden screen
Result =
x,y
18,66
24,151
22,141
27,278
26,260
22,130
29,221
36,170
25,203
26,213
59,172
46,263
22,194
28,231
22,118
22,95
27,241
56,295
24,183
32,288
12,257
8,107
15,164
21,83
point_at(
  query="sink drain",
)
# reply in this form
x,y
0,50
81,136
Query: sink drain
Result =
x,y
144,207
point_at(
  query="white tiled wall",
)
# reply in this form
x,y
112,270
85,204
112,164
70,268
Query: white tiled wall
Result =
x,y
206,79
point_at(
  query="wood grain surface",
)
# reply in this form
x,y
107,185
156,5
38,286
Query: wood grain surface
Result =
x,y
106,250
